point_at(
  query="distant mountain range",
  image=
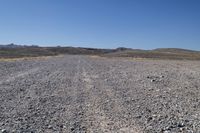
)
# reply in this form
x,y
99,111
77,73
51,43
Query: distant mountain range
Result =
x,y
14,50
12,45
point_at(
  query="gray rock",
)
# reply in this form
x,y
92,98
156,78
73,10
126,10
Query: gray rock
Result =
x,y
3,131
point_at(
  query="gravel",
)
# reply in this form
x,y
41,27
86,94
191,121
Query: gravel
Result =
x,y
91,94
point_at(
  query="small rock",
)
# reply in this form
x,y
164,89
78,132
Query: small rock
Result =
x,y
181,124
167,131
61,126
64,126
187,121
139,116
150,89
3,131
149,119
13,131
181,129
72,129
162,76
50,127
153,80
149,127
28,97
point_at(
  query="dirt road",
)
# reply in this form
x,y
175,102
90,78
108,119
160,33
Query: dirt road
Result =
x,y
91,94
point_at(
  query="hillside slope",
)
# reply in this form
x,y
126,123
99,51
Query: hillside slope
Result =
x,y
164,53
17,51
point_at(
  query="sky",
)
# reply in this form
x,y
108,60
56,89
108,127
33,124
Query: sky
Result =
x,y
143,24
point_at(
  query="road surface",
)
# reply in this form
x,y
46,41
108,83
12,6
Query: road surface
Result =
x,y
84,94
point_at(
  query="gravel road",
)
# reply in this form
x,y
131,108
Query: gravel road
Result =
x,y
82,94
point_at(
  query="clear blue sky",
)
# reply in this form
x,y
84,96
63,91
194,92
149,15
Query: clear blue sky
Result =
x,y
144,24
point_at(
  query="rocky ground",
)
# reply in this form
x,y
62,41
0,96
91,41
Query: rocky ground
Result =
x,y
81,94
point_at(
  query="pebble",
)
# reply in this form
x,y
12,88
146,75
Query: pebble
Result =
x,y
3,131
167,131
50,127
72,129
181,124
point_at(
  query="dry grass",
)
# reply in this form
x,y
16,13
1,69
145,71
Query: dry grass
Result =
x,y
27,58
156,55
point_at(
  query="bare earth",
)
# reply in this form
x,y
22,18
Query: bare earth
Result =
x,y
90,94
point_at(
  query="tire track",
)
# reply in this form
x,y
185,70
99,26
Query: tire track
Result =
x,y
105,111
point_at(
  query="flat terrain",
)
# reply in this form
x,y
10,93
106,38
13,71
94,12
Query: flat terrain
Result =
x,y
91,94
